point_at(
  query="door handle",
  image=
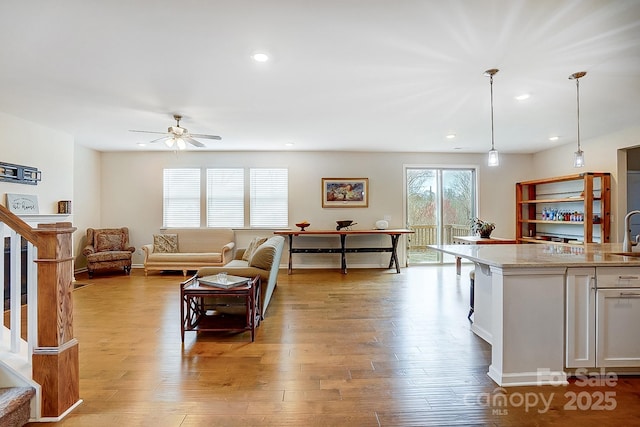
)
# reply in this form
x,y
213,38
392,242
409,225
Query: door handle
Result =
x,y
628,277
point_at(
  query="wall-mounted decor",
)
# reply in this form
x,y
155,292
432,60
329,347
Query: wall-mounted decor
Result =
x,y
64,207
345,192
22,203
19,174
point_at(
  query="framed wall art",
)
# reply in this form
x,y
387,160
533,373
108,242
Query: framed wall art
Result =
x,y
345,192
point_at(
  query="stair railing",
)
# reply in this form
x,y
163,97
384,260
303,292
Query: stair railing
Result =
x,y
51,350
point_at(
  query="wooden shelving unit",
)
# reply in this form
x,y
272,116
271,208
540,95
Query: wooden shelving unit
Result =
x,y
587,193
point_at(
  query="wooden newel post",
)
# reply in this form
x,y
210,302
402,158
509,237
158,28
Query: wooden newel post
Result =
x,y
55,358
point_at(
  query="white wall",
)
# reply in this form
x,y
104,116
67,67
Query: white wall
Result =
x,y
605,154
29,144
131,191
86,204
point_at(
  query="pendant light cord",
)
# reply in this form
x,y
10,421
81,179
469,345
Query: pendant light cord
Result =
x,y
491,86
578,103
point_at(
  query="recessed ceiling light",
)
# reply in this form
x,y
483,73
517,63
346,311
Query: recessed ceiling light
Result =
x,y
554,138
451,136
523,97
289,144
142,144
260,57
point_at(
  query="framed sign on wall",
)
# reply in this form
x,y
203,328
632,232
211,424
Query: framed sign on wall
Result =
x,y
22,203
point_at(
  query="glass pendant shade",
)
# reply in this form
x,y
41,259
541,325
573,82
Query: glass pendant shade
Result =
x,y
169,142
493,158
181,144
578,159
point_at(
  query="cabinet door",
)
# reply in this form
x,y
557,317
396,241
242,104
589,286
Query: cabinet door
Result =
x,y
580,348
618,318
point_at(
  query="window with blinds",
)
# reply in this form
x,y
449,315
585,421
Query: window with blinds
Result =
x,y
225,197
269,195
181,198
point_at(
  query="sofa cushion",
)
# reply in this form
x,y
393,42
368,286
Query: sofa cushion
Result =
x,y
262,257
184,258
109,240
106,256
165,243
253,245
193,240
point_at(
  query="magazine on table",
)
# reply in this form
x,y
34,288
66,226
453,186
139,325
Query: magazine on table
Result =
x,y
225,282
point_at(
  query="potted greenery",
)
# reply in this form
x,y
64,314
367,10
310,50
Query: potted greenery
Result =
x,y
483,228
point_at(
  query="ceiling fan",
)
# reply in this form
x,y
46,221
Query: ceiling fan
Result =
x,y
179,136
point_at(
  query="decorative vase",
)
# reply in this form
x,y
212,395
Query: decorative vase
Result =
x,y
485,234
382,224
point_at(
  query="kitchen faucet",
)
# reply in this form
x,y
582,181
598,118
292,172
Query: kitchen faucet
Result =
x,y
627,245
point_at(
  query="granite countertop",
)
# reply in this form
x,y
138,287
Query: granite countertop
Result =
x,y
543,255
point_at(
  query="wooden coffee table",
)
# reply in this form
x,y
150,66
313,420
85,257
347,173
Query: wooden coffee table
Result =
x,y
197,315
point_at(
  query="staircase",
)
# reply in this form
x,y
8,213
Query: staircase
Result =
x,y
15,407
38,357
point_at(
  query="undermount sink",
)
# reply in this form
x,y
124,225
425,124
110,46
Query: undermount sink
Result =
x,y
632,254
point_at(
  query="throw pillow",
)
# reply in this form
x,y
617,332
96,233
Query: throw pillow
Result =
x,y
167,243
253,245
109,241
262,257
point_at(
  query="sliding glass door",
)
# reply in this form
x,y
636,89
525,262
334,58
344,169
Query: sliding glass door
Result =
x,y
439,205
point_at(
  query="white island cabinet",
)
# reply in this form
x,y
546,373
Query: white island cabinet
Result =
x,y
617,317
581,318
535,305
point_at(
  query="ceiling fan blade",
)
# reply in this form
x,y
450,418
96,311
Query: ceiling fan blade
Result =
x,y
199,135
148,131
164,138
193,142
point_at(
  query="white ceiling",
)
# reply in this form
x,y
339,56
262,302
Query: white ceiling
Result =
x,y
375,75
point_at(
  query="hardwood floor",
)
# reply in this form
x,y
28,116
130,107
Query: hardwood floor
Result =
x,y
370,348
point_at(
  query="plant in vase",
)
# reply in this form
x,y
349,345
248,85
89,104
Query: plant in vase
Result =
x,y
483,228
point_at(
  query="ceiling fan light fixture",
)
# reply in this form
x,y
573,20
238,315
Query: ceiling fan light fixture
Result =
x,y
493,153
179,135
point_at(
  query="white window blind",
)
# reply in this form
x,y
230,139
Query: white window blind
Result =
x,y
225,197
181,198
269,197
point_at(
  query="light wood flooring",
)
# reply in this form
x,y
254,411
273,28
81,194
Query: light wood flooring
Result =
x,y
370,348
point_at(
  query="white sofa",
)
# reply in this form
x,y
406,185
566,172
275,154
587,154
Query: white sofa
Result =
x,y
264,262
190,249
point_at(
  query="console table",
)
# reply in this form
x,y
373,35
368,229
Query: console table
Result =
x,y
196,315
343,250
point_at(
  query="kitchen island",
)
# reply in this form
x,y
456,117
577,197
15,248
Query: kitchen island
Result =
x,y
535,305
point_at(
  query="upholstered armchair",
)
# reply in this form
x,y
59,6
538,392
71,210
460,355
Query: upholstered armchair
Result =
x,y
108,248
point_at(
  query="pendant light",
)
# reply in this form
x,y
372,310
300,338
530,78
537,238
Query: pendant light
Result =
x,y
578,156
493,153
